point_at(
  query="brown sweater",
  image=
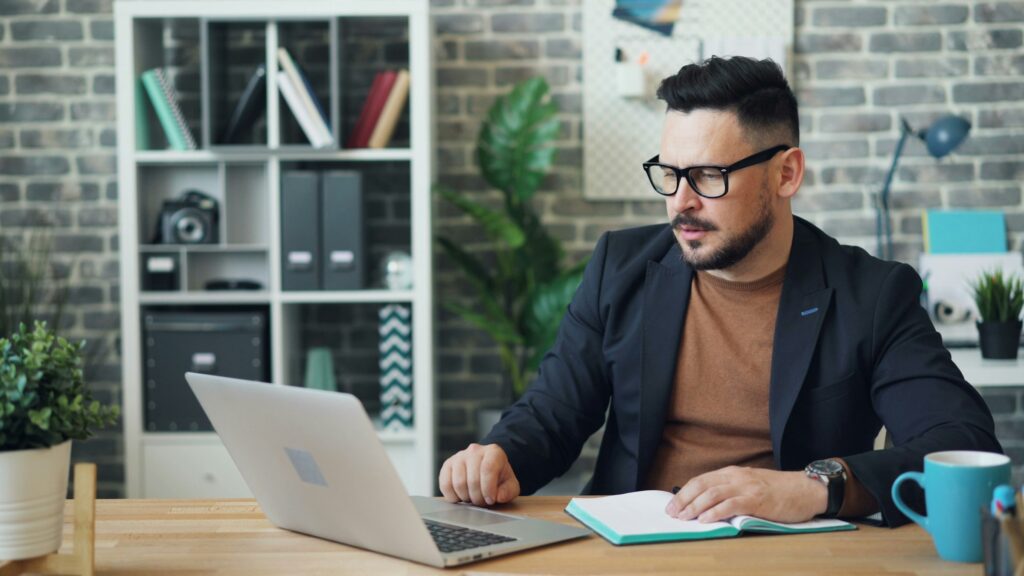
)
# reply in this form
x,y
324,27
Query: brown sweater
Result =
x,y
718,411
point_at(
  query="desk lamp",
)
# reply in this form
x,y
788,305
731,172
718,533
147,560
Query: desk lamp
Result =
x,y
941,138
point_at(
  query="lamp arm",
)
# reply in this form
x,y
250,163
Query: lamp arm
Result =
x,y
883,224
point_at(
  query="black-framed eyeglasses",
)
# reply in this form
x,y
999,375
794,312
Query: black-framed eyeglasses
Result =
x,y
706,181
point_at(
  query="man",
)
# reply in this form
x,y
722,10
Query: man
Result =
x,y
746,355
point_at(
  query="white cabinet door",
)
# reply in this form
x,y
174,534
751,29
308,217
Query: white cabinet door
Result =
x,y
190,471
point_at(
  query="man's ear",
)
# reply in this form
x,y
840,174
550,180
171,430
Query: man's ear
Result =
x,y
791,173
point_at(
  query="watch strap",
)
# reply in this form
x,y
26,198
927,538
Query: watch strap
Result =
x,y
836,490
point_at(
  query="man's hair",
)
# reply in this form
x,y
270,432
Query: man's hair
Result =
x,y
755,90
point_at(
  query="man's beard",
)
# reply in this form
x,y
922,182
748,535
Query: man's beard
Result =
x,y
734,250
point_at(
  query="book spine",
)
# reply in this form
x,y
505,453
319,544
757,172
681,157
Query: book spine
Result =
x,y
141,122
304,95
389,116
375,101
163,110
284,84
364,114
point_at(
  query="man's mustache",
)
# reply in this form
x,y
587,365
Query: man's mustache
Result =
x,y
692,222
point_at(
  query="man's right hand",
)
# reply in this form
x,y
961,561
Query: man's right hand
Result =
x,y
479,474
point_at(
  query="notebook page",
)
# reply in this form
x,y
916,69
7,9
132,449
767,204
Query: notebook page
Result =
x,y
753,524
639,513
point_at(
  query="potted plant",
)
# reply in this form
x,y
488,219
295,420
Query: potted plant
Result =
x,y
999,298
521,299
44,404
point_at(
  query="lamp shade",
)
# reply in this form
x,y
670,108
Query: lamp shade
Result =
x,y
945,134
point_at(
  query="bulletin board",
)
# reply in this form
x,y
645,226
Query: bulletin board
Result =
x,y
624,60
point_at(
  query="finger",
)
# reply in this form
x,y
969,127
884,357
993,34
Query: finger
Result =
x,y
459,479
490,468
724,510
508,488
444,482
706,500
473,479
696,486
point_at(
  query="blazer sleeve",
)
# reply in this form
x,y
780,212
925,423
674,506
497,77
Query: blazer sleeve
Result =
x,y
544,432
918,393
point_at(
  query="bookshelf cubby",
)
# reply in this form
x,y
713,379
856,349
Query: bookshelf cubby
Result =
x,y
209,51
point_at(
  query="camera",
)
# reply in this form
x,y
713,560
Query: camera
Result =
x,y
191,219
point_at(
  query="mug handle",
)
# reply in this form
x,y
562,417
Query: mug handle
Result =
x,y
917,477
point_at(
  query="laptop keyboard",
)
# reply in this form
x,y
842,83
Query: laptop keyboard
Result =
x,y
454,538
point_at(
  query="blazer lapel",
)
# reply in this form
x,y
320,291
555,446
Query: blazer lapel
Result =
x,y
804,302
666,295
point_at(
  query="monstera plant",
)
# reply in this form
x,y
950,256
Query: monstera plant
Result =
x,y
521,298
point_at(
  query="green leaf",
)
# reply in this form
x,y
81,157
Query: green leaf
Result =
x,y
546,308
497,225
514,148
999,298
469,264
40,418
500,329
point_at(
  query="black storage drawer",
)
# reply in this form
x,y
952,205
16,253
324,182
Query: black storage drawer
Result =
x,y
225,343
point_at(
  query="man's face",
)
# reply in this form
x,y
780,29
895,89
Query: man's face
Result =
x,y
716,233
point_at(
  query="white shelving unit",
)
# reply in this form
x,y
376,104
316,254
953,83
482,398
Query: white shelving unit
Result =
x,y
246,181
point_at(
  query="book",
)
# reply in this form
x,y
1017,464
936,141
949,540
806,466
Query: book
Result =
x,y
392,110
372,108
639,517
249,106
963,231
306,122
303,89
168,111
141,120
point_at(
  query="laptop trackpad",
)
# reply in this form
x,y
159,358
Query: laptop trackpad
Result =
x,y
469,517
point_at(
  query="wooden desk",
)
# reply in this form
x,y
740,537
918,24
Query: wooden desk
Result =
x,y
159,537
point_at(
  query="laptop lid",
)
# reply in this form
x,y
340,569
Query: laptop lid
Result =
x,y
315,464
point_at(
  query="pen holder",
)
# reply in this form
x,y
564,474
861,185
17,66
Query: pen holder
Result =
x,y
996,545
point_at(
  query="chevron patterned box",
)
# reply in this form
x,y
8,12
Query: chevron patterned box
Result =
x,y
396,366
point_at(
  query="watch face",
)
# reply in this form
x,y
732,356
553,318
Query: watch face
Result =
x,y
826,467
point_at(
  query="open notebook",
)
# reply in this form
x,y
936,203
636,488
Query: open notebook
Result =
x,y
639,517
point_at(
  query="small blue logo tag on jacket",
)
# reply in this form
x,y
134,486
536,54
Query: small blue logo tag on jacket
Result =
x,y
305,466
809,311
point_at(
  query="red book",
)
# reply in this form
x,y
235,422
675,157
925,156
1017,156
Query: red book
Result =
x,y
375,100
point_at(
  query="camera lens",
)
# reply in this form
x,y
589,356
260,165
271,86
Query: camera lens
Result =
x,y
190,229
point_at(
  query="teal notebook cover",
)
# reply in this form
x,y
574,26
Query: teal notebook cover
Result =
x,y
179,137
964,232
639,518
141,122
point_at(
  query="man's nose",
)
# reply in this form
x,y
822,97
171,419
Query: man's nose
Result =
x,y
685,198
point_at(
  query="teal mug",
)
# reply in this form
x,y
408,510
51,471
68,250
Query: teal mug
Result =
x,y
957,486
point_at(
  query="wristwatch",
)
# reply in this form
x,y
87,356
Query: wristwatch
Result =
x,y
833,475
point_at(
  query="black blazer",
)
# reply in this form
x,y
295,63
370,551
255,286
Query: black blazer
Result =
x,y
853,350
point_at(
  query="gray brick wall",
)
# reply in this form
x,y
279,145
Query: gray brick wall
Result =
x,y
57,163
859,67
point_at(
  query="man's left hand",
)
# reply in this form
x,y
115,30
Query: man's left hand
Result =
x,y
733,491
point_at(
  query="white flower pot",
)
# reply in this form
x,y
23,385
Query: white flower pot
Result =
x,y
33,488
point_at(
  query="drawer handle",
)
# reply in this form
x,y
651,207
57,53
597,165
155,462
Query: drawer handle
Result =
x,y
204,362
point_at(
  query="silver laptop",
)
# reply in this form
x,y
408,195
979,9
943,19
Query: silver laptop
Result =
x,y
315,464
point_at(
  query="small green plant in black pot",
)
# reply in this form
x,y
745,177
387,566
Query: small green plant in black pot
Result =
x,y
1000,298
